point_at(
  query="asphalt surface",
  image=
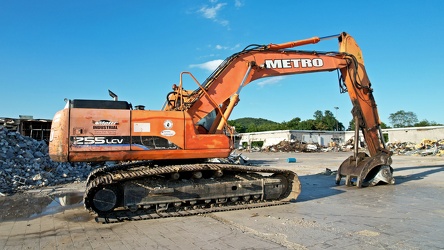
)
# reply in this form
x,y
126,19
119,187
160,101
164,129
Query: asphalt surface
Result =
x,y
407,215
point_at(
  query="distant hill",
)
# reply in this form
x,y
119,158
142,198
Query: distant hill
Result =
x,y
249,124
247,121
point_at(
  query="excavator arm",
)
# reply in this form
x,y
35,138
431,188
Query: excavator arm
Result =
x,y
376,168
220,93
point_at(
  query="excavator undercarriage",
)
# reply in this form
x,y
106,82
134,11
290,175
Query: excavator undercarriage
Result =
x,y
145,191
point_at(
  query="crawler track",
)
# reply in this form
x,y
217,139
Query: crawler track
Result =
x,y
119,216
120,175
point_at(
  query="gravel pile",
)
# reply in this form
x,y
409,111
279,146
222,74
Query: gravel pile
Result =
x,y
25,164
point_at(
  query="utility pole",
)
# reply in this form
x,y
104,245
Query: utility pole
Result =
x,y
336,118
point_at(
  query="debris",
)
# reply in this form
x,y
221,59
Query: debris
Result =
x,y
424,148
291,160
293,146
238,158
25,164
19,179
233,158
328,172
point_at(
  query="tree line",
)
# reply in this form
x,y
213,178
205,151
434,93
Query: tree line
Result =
x,y
324,121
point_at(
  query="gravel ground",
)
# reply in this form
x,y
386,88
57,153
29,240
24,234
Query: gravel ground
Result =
x,y
407,215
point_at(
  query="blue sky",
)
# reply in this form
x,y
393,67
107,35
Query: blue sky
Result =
x,y
51,50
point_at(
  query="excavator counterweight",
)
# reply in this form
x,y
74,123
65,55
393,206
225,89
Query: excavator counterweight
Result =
x,y
163,167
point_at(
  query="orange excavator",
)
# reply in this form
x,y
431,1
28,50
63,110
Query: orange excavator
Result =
x,y
164,156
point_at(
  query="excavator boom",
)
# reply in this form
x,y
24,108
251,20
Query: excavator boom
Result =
x,y
222,89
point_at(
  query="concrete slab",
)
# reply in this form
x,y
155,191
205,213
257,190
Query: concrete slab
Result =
x,y
407,215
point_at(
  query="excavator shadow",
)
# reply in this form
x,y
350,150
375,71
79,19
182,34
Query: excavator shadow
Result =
x,y
420,173
317,186
313,186
261,163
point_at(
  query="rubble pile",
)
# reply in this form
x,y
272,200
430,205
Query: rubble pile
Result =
x,y
297,146
350,144
233,158
424,148
293,146
25,164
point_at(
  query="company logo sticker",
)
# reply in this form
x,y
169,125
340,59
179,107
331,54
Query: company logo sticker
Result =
x,y
99,140
142,127
294,63
168,124
168,132
105,124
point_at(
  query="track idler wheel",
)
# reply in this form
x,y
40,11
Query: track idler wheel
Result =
x,y
105,199
291,186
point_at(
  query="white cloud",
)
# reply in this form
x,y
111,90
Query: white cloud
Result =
x,y
223,22
220,47
236,46
210,65
238,3
270,81
211,12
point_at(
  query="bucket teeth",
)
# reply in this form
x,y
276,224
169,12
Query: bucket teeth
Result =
x,y
363,170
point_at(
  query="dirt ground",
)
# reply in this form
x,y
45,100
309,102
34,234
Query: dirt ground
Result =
x,y
407,215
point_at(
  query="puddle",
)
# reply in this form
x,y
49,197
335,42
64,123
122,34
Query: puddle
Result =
x,y
33,205
61,202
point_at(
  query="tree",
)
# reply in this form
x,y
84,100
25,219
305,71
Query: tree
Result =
x,y
326,121
240,128
351,125
293,124
248,124
383,125
321,121
425,123
309,124
402,119
252,128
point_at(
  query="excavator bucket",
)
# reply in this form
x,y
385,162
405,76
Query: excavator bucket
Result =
x,y
363,171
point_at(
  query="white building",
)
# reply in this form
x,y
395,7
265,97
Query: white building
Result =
x,y
324,138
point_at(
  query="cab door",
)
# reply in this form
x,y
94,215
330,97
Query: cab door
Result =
x,y
157,130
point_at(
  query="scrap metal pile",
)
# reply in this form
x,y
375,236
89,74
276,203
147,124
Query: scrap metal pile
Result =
x,y
25,164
